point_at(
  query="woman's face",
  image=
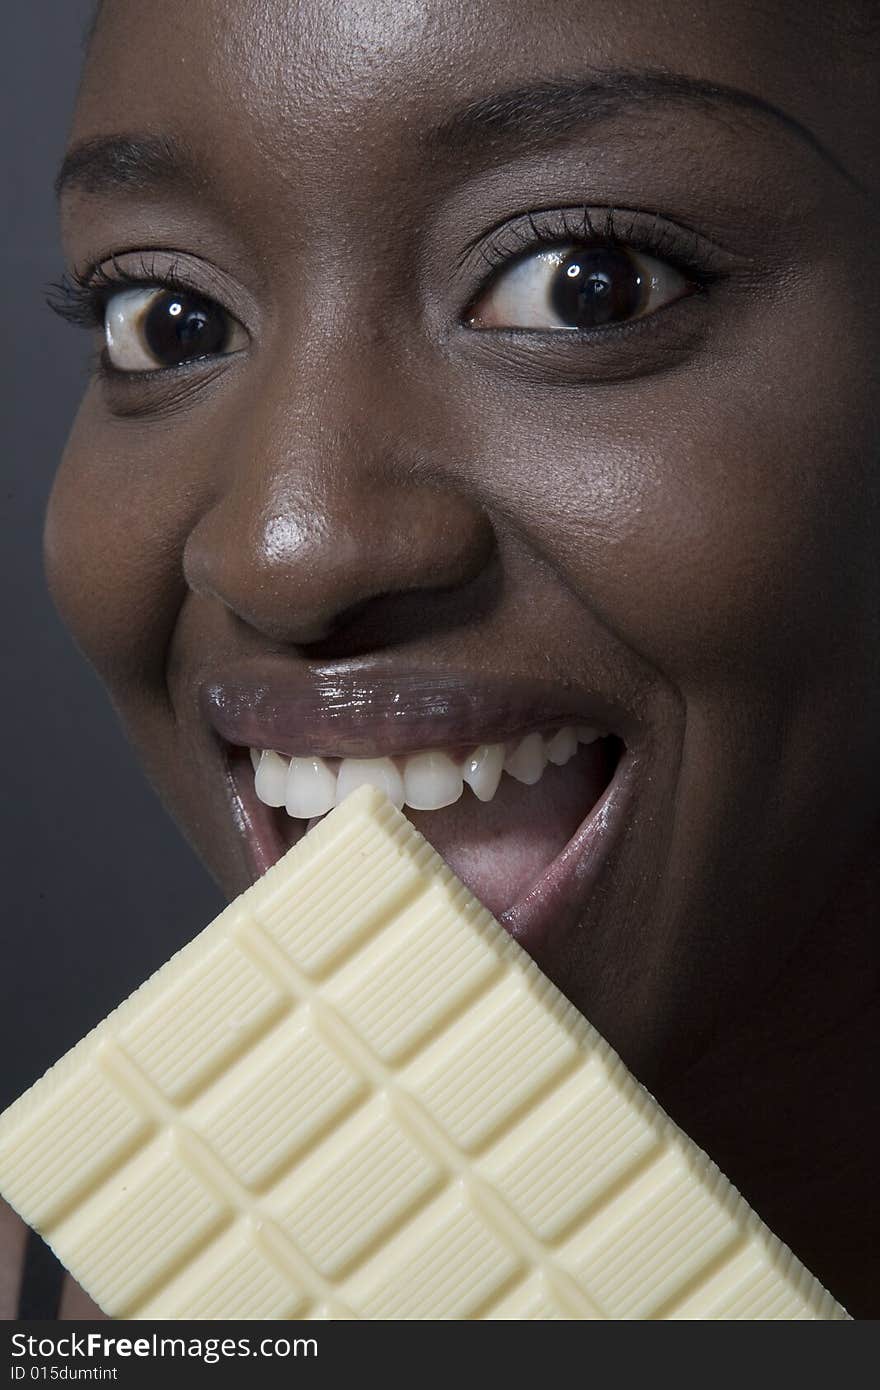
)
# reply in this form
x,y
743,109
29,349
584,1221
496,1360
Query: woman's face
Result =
x,y
520,376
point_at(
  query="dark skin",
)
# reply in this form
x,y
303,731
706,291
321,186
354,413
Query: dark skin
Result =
x,y
683,516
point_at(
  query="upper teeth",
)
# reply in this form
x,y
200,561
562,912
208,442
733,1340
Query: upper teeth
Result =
x,y
425,781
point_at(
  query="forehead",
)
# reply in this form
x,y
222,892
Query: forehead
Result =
x,y
310,123
303,75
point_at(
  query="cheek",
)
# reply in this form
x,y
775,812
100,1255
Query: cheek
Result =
x,y
755,539
719,528
113,537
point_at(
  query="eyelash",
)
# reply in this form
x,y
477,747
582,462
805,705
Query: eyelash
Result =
x,y
82,299
682,248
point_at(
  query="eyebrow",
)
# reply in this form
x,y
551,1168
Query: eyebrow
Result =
x,y
127,163
527,116
545,111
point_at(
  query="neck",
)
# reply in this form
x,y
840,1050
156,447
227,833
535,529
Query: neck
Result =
x,y
787,1102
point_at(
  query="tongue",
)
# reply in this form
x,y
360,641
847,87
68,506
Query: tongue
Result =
x,y
502,847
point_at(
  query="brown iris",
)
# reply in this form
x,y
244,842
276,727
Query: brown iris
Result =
x,y
180,327
593,287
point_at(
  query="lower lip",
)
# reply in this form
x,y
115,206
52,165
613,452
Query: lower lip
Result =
x,y
554,905
550,909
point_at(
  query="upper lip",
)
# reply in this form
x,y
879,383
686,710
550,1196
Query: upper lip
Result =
x,y
361,712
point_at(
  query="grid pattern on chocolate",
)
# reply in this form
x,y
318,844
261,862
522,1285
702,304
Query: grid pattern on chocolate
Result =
x,y
394,1116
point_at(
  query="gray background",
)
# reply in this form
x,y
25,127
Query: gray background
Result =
x,y
98,887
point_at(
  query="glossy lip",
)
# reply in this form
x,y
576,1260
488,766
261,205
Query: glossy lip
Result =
x,y
361,714
553,905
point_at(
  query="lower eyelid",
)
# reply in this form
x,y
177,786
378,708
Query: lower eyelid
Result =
x,y
128,330
521,290
107,369
644,347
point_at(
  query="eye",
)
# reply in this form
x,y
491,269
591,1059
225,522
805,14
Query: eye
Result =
x,y
577,287
150,327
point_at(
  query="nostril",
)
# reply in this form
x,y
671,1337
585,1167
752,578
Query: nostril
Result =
x,y
356,571
394,619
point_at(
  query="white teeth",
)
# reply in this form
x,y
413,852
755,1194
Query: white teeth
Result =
x,y
527,760
482,770
562,746
431,780
311,788
271,779
372,772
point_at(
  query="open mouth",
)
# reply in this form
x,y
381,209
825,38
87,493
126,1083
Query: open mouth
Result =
x,y
525,816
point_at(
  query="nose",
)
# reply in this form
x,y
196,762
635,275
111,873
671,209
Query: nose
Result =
x,y
321,522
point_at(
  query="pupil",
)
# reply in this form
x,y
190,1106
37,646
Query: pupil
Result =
x,y
179,327
595,286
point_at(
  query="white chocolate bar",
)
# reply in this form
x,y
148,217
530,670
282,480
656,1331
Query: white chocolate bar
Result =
x,y
353,1095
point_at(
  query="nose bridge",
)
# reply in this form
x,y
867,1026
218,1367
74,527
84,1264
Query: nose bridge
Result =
x,y
330,500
